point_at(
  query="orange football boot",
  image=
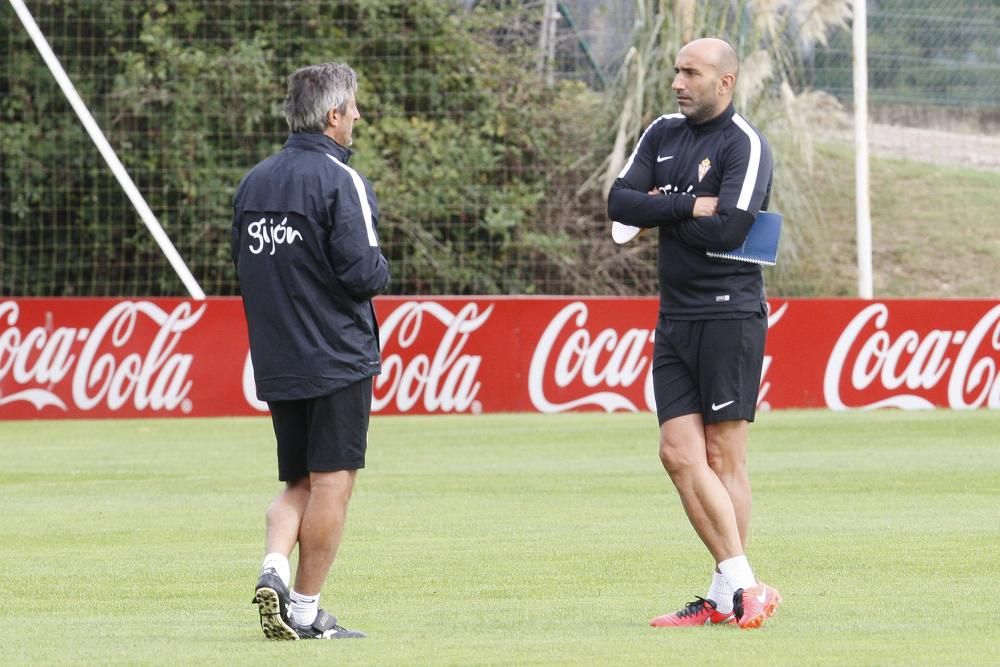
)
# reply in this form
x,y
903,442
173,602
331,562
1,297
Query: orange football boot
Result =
x,y
755,605
699,612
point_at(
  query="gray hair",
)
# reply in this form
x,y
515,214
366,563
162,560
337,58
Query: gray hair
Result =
x,y
313,91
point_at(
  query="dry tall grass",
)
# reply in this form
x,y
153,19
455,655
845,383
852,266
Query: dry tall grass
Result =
x,y
770,36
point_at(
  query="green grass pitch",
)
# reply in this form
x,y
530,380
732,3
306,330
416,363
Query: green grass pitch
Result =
x,y
510,539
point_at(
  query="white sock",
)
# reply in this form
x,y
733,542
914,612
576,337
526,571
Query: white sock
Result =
x,y
278,563
720,593
303,608
738,573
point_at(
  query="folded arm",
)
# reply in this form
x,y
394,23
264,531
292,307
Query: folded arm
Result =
x,y
353,245
745,190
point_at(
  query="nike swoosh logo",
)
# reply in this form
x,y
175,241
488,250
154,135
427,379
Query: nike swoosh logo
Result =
x,y
762,598
660,158
716,408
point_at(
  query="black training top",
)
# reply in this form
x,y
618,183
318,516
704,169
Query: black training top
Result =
x,y
305,245
724,157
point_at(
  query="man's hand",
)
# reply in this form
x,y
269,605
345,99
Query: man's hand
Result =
x,y
705,206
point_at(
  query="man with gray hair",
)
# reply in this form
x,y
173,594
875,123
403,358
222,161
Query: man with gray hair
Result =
x,y
306,248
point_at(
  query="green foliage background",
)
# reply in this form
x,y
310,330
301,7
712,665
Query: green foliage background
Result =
x,y
459,138
486,176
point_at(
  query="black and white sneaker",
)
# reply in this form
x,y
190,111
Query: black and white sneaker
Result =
x,y
325,627
272,598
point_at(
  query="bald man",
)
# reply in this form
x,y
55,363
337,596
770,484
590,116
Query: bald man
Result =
x,y
699,177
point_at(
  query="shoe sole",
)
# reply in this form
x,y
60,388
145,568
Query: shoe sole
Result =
x,y
269,606
769,609
707,622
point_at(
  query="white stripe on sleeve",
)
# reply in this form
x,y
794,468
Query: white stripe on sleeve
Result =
x,y
631,158
750,180
366,210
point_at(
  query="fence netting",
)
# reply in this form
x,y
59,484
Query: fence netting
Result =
x,y
485,127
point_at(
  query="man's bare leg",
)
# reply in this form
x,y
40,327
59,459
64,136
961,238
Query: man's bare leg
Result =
x,y
322,527
727,455
706,501
284,516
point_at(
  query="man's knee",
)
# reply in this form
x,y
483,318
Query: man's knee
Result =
x,y
725,446
724,461
338,482
680,451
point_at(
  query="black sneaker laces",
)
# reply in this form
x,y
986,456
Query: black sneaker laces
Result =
x,y
694,607
738,603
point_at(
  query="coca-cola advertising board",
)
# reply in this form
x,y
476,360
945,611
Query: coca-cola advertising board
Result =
x,y
98,358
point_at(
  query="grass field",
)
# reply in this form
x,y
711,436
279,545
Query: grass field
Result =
x,y
512,539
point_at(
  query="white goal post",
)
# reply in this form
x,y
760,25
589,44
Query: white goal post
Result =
x,y
859,30
107,152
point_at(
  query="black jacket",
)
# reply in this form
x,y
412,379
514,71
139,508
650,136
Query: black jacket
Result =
x,y
724,157
305,245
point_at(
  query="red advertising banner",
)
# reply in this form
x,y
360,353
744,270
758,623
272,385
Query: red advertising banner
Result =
x,y
73,358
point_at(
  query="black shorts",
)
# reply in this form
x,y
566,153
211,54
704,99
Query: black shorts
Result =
x,y
322,434
711,367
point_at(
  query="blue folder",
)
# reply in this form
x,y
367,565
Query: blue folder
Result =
x,y
761,244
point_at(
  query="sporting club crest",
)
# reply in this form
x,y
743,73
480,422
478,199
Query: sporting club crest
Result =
x,y
703,168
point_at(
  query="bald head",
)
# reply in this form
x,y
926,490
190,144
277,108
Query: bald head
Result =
x,y
715,52
706,77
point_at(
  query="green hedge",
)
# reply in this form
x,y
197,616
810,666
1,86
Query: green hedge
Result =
x,y
458,137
